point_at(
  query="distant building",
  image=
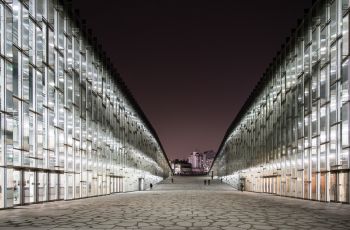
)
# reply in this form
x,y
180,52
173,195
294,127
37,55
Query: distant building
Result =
x,y
194,159
201,162
181,167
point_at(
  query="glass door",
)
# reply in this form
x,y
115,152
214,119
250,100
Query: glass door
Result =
x,y
314,186
278,185
17,187
343,187
94,186
121,184
333,187
100,185
53,186
29,187
117,184
323,187
61,182
299,184
42,186
141,184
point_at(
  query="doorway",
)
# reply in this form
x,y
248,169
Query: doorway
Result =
x,y
29,187
141,184
42,186
17,187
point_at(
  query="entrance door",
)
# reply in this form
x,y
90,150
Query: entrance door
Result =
x,y
278,185
100,185
121,185
53,186
61,184
94,186
314,185
323,192
114,184
42,186
29,187
118,184
333,187
141,184
17,187
343,187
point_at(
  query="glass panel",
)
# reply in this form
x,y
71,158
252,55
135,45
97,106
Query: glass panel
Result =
x,y
323,156
324,46
62,184
345,81
333,146
333,187
29,187
333,104
323,187
343,187
17,187
345,38
53,186
334,66
334,16
345,125
42,186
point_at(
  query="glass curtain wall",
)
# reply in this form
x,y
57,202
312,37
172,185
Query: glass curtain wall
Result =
x,y
69,127
291,138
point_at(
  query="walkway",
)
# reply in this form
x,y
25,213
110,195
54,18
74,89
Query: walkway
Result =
x,y
186,204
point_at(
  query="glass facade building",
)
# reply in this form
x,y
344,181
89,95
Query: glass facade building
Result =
x,y
291,137
69,127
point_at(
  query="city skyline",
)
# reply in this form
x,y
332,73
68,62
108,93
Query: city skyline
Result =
x,y
181,60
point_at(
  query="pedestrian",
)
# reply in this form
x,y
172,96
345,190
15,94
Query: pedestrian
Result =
x,y
221,180
172,180
15,192
242,187
208,182
151,185
205,182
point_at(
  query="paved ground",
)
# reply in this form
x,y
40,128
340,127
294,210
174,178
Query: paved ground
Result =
x,y
186,204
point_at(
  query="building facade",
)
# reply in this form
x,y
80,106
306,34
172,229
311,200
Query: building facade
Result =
x,y
291,138
194,159
69,127
201,162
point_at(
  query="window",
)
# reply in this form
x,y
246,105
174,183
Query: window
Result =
x,y
324,46
333,105
334,66
315,45
345,125
345,81
323,124
334,16
324,85
333,145
307,97
323,156
345,39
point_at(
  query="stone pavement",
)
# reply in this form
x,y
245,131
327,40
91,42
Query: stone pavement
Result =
x,y
186,204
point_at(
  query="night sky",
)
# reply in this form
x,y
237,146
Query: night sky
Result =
x,y
191,64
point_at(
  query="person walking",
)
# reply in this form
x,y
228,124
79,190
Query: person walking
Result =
x,y
151,186
172,180
242,187
15,192
205,182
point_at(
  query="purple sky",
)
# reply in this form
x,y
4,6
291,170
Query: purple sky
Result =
x,y
191,64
